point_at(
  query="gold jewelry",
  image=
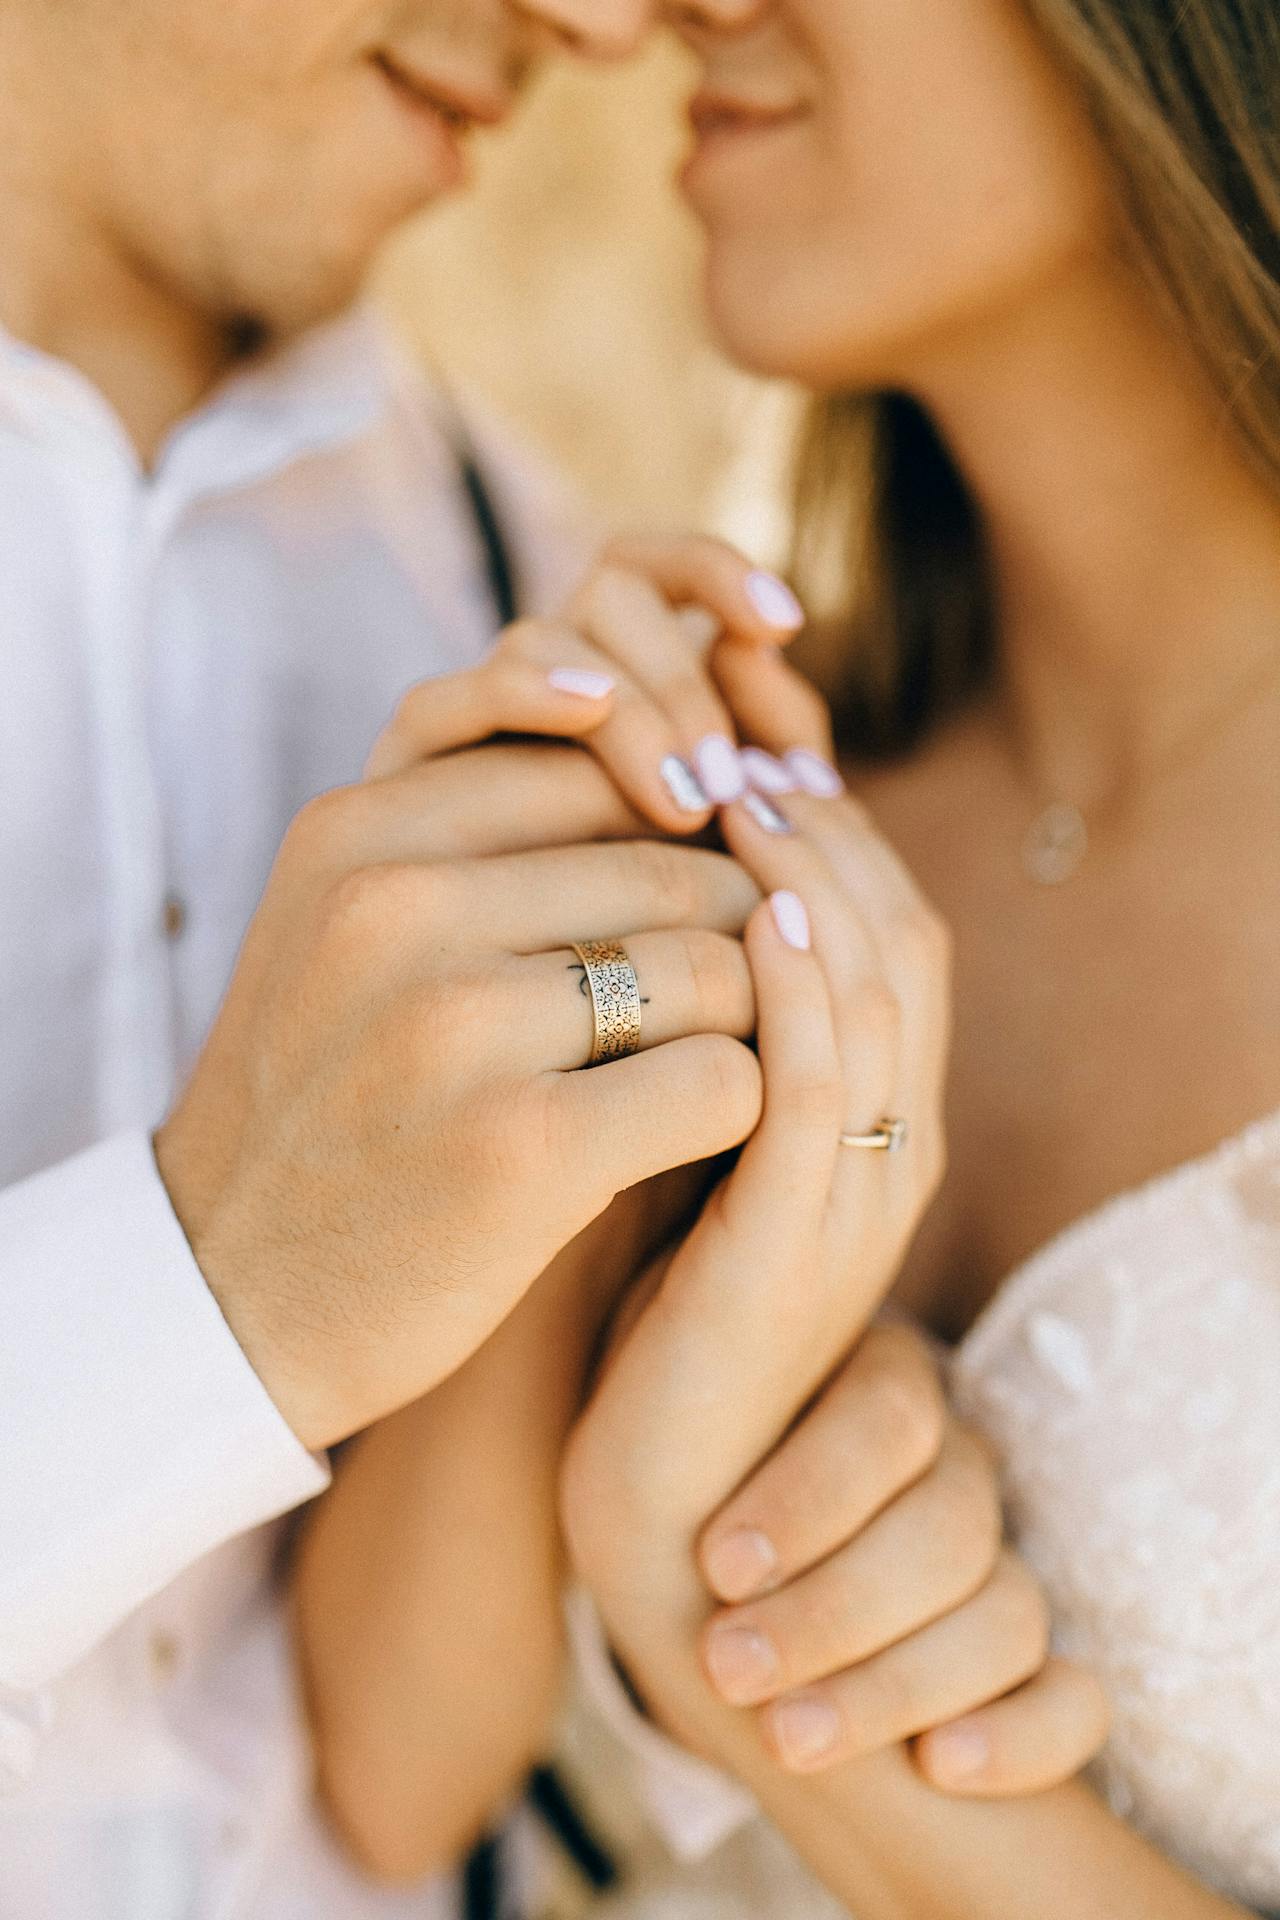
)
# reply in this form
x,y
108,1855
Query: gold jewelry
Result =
x,y
1057,840
615,999
888,1137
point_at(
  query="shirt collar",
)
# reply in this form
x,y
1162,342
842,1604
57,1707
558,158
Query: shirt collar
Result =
x,y
322,390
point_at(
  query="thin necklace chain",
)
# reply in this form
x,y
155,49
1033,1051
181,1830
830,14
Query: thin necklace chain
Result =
x,y
1059,837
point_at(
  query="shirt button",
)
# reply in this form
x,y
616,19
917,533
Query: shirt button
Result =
x,y
164,1654
173,917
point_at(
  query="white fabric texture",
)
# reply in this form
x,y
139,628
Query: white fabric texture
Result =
x,y
188,656
1129,1375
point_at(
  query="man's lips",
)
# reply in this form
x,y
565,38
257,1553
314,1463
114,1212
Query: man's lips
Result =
x,y
460,104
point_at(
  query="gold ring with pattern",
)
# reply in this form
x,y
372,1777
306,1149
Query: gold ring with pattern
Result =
x,y
615,999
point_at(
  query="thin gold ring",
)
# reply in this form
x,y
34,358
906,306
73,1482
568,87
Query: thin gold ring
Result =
x,y
615,999
888,1137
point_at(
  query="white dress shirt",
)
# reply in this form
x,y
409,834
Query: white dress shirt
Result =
x,y
188,655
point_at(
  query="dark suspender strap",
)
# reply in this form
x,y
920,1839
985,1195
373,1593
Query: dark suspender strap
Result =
x,y
547,1794
549,1798
499,558
482,1882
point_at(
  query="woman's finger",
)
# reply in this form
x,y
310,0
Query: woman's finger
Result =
x,y
994,1642
690,979
874,1430
626,616
773,704
865,1199
908,1001
865,1012
929,1551
1036,1738
696,570
507,693
914,947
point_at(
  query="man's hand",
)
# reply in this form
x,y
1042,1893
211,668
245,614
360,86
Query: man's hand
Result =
x,y
385,1141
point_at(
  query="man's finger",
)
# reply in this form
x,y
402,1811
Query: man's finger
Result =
x,y
1035,1738
554,897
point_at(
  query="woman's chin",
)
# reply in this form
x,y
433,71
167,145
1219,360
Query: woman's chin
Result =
x,y
771,334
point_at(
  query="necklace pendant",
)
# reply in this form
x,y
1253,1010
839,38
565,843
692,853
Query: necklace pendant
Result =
x,y
1056,843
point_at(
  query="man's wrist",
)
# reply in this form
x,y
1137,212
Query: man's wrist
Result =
x,y
241,1297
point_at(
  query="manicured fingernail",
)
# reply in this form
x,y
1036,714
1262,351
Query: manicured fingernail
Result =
x,y
774,601
791,920
716,763
682,784
738,1564
813,773
765,814
581,680
806,1730
742,1663
765,773
958,1752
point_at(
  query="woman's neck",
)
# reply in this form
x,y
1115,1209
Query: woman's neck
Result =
x,y
1137,559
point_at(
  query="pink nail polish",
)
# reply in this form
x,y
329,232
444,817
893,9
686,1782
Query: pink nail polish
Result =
x,y
740,1563
814,774
765,773
765,814
791,920
581,680
774,601
716,764
683,786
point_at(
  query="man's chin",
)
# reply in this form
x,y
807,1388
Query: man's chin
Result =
x,y
270,315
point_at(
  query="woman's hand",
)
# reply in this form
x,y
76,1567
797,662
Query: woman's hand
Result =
x,y
866,1594
868,1597
667,655
795,1251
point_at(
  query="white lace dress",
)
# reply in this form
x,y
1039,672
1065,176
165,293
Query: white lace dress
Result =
x,y
1129,1374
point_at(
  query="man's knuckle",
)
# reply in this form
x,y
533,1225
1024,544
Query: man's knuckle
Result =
x,y
667,877
729,1076
910,1406
360,904
1020,1614
413,715
889,1701
712,981
321,829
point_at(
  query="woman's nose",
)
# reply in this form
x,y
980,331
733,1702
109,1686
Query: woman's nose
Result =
x,y
611,29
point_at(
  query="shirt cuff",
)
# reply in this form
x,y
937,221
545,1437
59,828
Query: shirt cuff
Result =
x,y
134,1434
694,1807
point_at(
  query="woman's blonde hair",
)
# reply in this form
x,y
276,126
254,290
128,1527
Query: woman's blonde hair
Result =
x,y
1185,96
